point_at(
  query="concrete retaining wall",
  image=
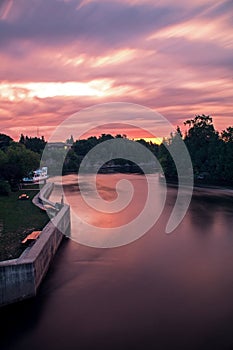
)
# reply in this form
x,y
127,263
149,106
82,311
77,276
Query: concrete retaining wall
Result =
x,y
20,278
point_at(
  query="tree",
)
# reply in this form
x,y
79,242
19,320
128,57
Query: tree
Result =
x,y
201,128
5,141
22,139
72,162
35,144
165,158
20,161
105,137
227,154
82,147
202,142
227,135
3,161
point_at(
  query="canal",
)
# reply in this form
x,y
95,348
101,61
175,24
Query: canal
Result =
x,y
159,292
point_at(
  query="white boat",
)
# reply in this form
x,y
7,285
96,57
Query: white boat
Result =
x,y
37,175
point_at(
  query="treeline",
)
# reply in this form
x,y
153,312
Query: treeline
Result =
x,y
211,153
81,148
17,159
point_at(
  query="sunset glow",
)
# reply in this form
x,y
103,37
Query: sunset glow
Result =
x,y
172,57
157,140
50,89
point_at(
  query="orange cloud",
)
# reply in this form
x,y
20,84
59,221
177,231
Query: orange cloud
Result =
x,y
173,57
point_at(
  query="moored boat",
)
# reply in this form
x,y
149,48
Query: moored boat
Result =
x,y
37,175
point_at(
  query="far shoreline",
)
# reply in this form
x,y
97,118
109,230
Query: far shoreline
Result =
x,y
225,189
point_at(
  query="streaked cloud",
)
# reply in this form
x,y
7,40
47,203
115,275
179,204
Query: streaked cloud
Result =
x,y
59,56
216,30
15,92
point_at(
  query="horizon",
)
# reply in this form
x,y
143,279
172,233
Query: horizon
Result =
x,y
94,132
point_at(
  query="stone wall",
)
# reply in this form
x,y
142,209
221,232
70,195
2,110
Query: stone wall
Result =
x,y
20,278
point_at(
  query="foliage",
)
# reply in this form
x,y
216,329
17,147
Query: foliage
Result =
x,y
226,161
72,162
211,153
153,147
5,141
3,161
4,188
20,161
16,162
35,144
227,135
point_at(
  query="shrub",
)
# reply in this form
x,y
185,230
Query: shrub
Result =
x,y
4,188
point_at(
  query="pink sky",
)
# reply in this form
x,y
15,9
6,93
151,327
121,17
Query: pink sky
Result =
x,y
60,56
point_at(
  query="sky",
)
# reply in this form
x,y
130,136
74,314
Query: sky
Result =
x,y
59,57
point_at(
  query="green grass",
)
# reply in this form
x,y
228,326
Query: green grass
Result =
x,y
18,218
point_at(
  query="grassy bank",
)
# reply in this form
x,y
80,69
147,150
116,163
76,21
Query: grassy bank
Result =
x,y
18,218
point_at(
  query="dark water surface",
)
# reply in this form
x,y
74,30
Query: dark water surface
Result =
x,y
161,292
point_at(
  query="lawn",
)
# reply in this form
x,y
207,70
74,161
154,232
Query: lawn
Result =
x,y
18,218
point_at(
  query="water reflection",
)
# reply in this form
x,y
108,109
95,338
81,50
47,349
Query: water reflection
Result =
x,y
160,292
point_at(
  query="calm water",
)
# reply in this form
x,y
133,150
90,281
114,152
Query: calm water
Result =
x,y
161,292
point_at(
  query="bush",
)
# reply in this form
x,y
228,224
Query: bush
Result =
x,y
4,188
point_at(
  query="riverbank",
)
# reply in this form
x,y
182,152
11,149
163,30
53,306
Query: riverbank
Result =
x,y
18,218
226,190
200,185
20,278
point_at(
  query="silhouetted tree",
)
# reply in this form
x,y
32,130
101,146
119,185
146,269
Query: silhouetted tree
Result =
x,y
227,155
227,135
202,141
20,161
35,144
5,141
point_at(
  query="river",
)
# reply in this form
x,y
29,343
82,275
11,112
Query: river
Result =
x,y
159,292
